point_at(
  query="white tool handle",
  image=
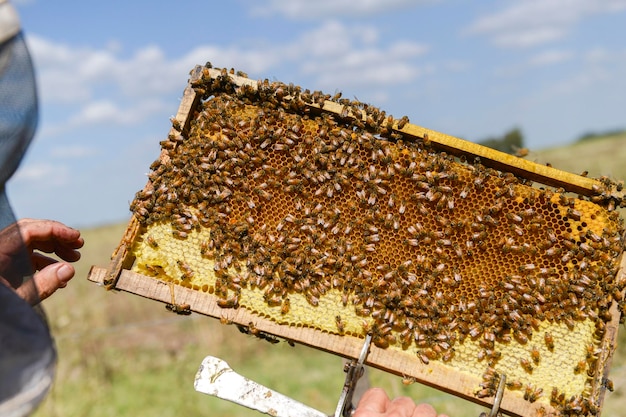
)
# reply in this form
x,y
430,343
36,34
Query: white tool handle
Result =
x,y
215,377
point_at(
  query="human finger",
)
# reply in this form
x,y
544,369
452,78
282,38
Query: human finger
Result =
x,y
374,402
35,230
40,261
424,410
402,407
65,252
51,237
46,282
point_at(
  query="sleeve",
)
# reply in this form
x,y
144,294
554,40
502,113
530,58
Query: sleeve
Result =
x,y
27,353
18,94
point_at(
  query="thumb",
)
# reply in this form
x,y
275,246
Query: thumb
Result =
x,y
46,281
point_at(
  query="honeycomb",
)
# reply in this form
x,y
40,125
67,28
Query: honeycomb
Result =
x,y
339,223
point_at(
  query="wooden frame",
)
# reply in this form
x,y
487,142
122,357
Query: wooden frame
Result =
x,y
119,277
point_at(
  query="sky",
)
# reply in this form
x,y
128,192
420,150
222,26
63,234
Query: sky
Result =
x,y
111,73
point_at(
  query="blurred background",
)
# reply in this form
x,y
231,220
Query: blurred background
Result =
x,y
545,75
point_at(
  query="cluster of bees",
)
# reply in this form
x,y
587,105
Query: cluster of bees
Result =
x,y
430,249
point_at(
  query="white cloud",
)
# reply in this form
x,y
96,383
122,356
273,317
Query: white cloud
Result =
x,y
359,68
307,9
331,39
109,112
78,75
38,174
457,65
603,56
333,54
579,82
351,59
257,60
72,152
526,37
101,85
100,112
550,57
600,70
98,86
540,60
73,74
601,81
536,22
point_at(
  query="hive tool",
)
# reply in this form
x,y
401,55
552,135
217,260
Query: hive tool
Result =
x,y
215,377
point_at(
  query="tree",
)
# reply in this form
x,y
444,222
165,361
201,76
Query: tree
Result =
x,y
511,142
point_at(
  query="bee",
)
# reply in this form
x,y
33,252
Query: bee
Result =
x,y
205,248
408,380
525,364
154,269
232,302
152,242
403,121
366,326
556,398
175,124
591,351
532,394
547,337
340,324
261,335
514,217
186,269
517,229
580,367
312,299
550,252
182,309
573,214
593,236
423,357
485,392
250,329
412,242
521,152
373,238
448,355
475,331
514,385
479,183
179,234
535,355
608,384
273,301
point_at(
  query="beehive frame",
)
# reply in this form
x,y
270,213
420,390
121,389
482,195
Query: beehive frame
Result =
x,y
436,373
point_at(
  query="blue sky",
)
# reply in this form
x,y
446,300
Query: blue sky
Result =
x,y
111,74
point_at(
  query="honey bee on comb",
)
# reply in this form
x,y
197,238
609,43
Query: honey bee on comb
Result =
x,y
320,212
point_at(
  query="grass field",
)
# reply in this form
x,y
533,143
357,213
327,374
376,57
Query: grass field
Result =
x,y
121,355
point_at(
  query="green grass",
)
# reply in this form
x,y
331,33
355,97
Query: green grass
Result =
x,y
122,355
600,156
